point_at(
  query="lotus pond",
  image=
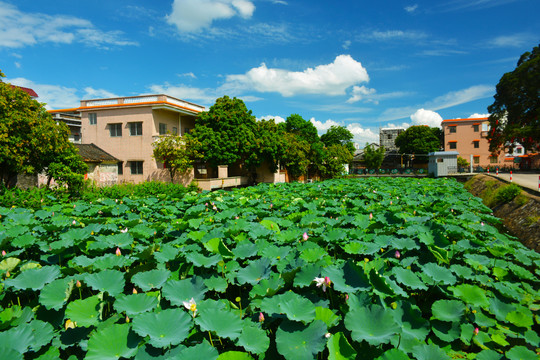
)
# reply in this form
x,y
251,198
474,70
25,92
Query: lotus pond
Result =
x,y
343,269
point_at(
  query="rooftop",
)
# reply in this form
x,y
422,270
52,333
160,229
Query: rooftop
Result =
x,y
29,91
92,153
469,119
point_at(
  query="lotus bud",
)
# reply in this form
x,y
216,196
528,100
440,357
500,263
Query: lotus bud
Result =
x,y
346,297
3,252
118,252
476,330
261,317
482,223
370,216
8,274
134,290
305,236
74,222
127,319
327,335
397,254
78,284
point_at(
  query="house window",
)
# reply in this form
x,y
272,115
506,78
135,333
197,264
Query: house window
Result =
x,y
135,128
453,145
115,130
162,129
519,150
136,167
452,129
476,144
121,168
493,159
476,127
175,130
389,136
93,118
485,126
476,159
186,131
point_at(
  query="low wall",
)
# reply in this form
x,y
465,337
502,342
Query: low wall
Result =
x,y
221,183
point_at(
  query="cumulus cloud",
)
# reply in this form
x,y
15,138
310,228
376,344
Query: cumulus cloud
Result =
x,y
206,96
329,79
322,127
477,115
55,97
195,15
277,119
360,93
363,135
426,117
91,93
19,29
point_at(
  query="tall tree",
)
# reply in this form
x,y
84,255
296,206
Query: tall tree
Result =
x,y
338,135
31,142
419,140
295,155
373,158
270,143
226,134
176,153
515,113
336,156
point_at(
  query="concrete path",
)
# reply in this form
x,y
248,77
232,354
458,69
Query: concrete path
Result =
x,y
526,180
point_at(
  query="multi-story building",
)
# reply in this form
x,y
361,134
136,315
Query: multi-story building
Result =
x,y
387,138
469,138
72,119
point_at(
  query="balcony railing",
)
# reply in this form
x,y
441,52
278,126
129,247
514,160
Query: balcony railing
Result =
x,y
132,100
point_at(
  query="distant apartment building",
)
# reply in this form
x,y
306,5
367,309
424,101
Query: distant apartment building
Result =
x,y
469,138
387,138
72,119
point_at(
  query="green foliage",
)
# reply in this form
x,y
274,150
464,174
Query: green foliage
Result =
x,y
338,135
295,155
335,157
419,140
178,154
462,163
373,158
31,142
515,113
389,268
270,143
507,193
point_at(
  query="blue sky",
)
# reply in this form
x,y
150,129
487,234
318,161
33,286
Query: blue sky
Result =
x,y
360,64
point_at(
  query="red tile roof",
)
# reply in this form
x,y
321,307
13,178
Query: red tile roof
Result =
x,y
29,91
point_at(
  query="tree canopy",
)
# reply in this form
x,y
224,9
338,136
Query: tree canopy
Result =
x,y
373,158
515,113
31,142
175,153
338,135
419,140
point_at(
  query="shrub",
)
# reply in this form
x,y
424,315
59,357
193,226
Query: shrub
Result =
x,y
507,193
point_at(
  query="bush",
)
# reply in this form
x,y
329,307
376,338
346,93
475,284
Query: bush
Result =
x,y
507,193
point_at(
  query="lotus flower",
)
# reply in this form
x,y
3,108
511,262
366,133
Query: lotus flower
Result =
x,y
324,282
397,254
124,231
261,317
305,236
476,330
78,284
370,216
3,252
118,252
134,291
191,305
327,335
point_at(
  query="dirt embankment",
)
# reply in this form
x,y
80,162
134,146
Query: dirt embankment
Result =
x,y
521,216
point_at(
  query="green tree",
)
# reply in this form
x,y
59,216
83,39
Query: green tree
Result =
x,y
226,134
295,155
515,113
462,163
336,156
270,143
177,153
419,140
31,142
373,158
338,135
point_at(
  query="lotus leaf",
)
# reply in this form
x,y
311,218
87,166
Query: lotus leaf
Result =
x,y
34,279
165,328
224,323
253,339
393,354
134,304
521,353
429,352
200,351
153,279
375,325
471,294
447,310
178,291
439,274
347,277
112,343
111,281
85,312
297,341
254,272
18,338
339,348
408,278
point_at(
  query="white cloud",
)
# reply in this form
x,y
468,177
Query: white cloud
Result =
x,y
323,126
195,15
411,8
477,115
91,93
346,44
206,96
17,64
391,35
459,97
277,119
426,117
363,135
329,79
516,40
361,92
19,29
55,96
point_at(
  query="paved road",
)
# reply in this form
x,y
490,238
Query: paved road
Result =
x,y
526,180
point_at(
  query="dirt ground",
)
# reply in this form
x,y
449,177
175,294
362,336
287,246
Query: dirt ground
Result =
x,y
521,216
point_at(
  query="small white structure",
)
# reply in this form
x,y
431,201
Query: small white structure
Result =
x,y
442,163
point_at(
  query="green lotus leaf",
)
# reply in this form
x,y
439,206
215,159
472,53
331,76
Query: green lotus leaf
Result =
x,y
234,355
224,323
254,272
200,351
393,354
9,353
216,283
34,279
467,332
267,287
521,317
471,294
165,328
408,278
311,252
376,325
521,272
24,241
153,279
112,343
327,316
85,312
142,231
178,291
111,281
339,348
245,249
347,277
429,352
18,338
122,241
500,309
413,325
297,341
439,274
111,261
82,261
488,355
203,261
521,353
447,310
446,331
270,225
53,353
334,235
134,304
499,338
462,271
76,235
43,334
532,338
9,264
166,253
253,339
305,276
217,246
296,307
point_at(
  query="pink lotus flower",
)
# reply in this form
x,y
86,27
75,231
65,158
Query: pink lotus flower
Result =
x,y
324,282
397,254
78,284
3,252
305,236
482,223
370,216
118,252
261,317
476,330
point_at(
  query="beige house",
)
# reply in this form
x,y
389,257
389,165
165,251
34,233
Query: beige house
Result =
x,y
469,138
